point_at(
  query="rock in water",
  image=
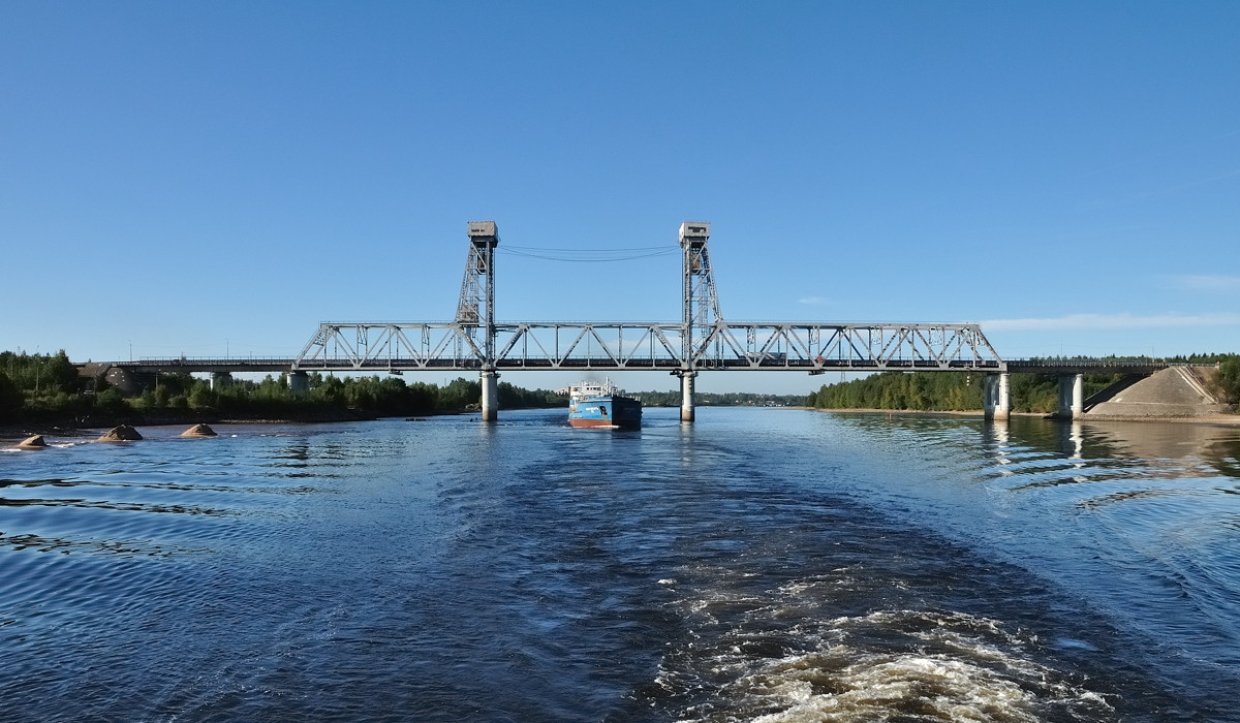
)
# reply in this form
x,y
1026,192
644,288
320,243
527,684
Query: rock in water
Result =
x,y
199,430
35,442
123,433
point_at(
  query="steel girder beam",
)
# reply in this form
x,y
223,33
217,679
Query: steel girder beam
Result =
x,y
618,346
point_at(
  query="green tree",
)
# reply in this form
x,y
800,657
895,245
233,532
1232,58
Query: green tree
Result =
x,y
201,396
1227,380
458,395
110,402
331,391
10,399
59,374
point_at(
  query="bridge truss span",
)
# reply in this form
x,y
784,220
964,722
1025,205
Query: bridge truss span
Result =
x,y
413,346
618,346
604,346
386,346
820,347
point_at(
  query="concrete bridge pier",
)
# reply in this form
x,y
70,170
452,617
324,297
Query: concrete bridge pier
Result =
x,y
298,382
997,401
220,380
1071,396
686,395
490,396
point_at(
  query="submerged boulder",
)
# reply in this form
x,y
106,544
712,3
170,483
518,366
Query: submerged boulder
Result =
x,y
123,433
199,430
35,442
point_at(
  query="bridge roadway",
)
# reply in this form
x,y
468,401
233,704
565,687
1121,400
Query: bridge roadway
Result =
x,y
232,365
235,365
803,347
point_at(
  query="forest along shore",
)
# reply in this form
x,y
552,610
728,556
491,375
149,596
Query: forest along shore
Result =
x,y
1197,392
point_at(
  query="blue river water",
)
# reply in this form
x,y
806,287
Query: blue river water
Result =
x,y
760,565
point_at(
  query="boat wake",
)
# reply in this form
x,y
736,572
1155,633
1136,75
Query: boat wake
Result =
x,y
774,659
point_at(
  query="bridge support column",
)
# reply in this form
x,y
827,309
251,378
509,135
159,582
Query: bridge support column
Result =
x,y
220,380
686,396
490,396
1071,396
997,402
298,382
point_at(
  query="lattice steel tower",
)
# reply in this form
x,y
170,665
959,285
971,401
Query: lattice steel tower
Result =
x,y
700,307
477,305
478,284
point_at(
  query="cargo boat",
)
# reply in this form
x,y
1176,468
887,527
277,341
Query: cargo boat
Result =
x,y
591,404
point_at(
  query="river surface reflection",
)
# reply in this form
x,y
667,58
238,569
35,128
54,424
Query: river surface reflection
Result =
x,y
767,565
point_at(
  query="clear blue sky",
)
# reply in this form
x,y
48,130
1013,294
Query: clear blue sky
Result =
x,y
212,177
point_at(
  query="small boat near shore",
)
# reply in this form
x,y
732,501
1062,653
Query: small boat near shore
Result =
x,y
602,405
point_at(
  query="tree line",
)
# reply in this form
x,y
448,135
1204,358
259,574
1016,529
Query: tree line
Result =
x,y
719,399
1037,393
48,388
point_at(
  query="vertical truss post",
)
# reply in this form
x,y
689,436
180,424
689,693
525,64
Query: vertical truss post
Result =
x,y
700,306
476,306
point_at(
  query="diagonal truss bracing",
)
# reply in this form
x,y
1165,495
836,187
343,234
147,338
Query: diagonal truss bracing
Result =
x,y
617,346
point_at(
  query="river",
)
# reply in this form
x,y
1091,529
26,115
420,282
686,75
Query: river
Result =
x,y
759,565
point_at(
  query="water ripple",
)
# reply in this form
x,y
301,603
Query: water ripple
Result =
x,y
763,565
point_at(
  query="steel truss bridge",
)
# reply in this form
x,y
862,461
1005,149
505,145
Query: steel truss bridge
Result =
x,y
625,346
701,341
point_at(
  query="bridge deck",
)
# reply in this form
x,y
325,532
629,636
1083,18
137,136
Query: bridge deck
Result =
x,y
378,365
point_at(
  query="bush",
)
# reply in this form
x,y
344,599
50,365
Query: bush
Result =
x,y
10,399
110,402
1227,381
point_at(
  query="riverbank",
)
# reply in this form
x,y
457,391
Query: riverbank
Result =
x,y
165,417
87,427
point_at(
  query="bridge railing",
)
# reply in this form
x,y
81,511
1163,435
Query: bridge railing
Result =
x,y
203,363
